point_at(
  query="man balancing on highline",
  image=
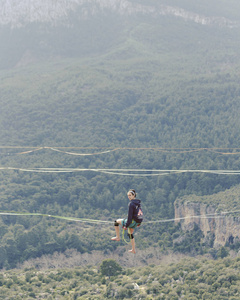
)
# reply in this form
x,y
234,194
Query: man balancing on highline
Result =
x,y
135,217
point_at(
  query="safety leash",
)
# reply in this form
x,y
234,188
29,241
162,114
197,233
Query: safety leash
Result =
x,y
123,235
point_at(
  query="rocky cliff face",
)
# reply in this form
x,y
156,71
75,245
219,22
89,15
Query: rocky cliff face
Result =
x,y
21,12
226,228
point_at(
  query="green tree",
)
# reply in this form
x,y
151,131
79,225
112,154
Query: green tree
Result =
x,y
109,267
3,256
222,252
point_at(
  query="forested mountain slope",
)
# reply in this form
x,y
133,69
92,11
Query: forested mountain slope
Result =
x,y
160,91
190,278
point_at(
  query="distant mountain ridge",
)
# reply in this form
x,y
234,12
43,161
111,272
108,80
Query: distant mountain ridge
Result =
x,y
22,12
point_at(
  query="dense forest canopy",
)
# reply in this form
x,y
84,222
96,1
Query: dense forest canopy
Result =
x,y
190,278
160,92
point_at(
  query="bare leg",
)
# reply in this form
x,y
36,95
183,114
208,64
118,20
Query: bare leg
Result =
x,y
133,250
117,237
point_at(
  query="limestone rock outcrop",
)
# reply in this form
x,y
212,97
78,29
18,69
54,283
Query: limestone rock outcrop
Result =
x,y
223,225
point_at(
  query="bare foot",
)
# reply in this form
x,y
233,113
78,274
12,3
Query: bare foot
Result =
x,y
132,251
115,239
